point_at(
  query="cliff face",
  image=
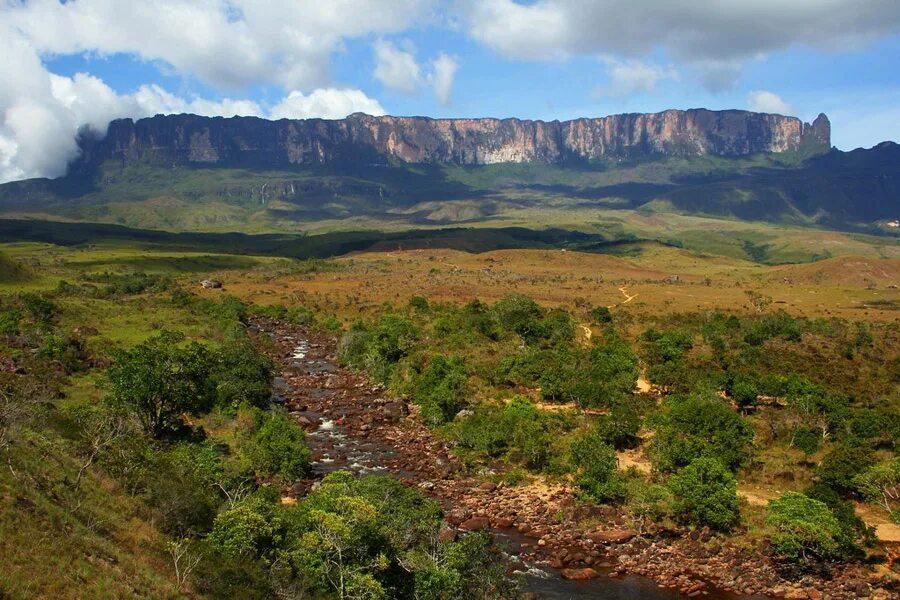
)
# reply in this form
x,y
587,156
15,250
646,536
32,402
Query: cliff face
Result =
x,y
252,142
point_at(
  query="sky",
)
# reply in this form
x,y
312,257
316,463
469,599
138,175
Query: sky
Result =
x,y
67,65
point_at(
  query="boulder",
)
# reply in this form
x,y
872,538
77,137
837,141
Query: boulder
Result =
x,y
475,524
613,536
579,574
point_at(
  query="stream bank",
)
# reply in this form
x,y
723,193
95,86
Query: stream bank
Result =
x,y
353,426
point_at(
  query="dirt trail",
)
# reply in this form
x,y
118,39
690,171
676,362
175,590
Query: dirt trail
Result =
x,y
628,297
353,426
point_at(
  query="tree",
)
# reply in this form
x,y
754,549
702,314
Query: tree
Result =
x,y
160,380
441,388
803,527
700,426
597,464
842,465
705,493
620,427
243,375
278,447
881,483
243,531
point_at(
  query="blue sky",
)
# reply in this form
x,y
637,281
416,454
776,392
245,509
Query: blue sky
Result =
x,y
84,62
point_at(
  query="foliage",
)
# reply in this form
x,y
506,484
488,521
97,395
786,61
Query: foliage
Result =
x,y
518,430
880,483
440,389
705,493
699,426
159,380
596,463
840,467
242,375
804,527
243,531
278,448
620,427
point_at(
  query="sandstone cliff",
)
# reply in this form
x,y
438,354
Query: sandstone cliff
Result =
x,y
253,142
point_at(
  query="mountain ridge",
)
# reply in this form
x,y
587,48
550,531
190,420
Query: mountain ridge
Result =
x,y
254,142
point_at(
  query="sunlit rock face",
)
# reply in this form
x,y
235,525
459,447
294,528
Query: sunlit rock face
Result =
x,y
252,142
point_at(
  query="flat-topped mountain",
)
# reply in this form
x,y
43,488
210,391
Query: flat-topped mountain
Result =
x,y
185,140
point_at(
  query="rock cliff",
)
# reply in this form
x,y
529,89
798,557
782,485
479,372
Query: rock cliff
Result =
x,y
257,143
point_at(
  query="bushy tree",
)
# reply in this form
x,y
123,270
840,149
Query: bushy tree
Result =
x,y
244,531
620,427
705,493
160,380
278,448
804,527
881,483
842,465
699,426
519,314
440,390
243,375
596,464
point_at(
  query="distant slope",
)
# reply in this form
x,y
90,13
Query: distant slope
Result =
x,y
857,190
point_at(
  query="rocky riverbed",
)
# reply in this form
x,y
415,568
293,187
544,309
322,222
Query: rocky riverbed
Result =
x,y
353,425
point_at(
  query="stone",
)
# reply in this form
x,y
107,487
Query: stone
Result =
x,y
475,524
579,574
614,536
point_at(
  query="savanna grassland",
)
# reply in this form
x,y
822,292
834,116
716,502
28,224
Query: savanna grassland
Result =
x,y
687,388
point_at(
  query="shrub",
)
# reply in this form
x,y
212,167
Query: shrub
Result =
x,y
391,339
243,375
596,463
803,526
880,483
700,426
519,314
440,389
807,440
278,448
242,531
159,380
705,493
9,322
39,308
842,465
620,427
601,314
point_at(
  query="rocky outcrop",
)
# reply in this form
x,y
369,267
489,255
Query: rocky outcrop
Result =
x,y
250,142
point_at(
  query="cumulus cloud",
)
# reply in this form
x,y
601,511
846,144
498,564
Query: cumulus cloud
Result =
x,y
768,102
41,112
396,69
443,72
633,77
326,103
712,37
230,43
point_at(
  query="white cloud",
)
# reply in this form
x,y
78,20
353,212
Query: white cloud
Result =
x,y
444,69
326,103
396,69
712,37
230,43
41,113
633,77
768,102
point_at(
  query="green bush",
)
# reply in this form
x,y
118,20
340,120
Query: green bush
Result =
x,y
391,338
620,427
242,375
160,380
278,448
807,440
40,309
705,493
242,531
596,464
880,482
518,430
842,465
699,426
804,527
9,322
519,314
601,314
440,389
